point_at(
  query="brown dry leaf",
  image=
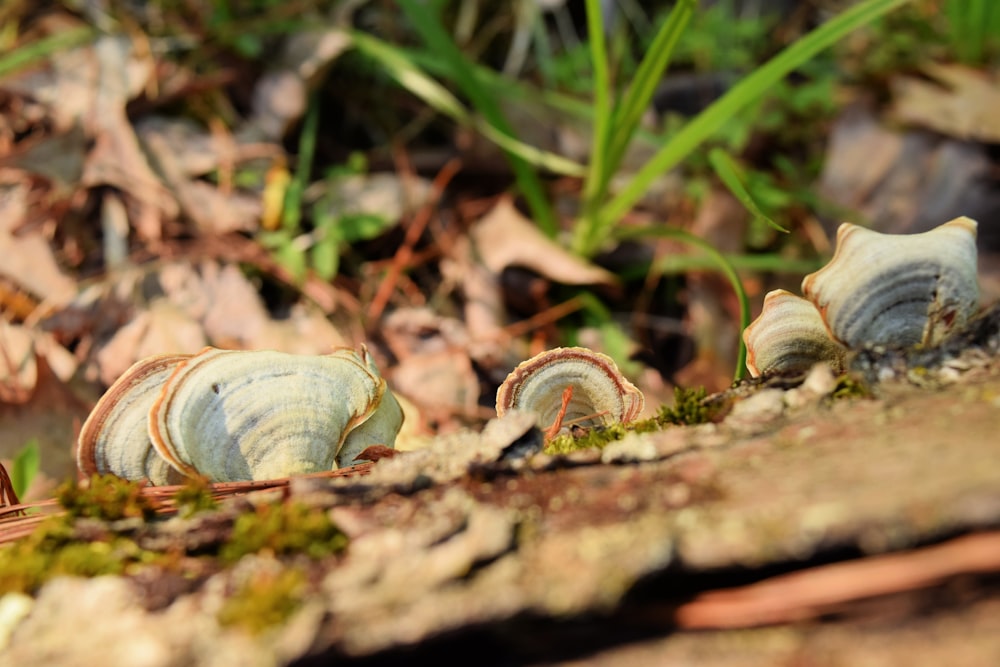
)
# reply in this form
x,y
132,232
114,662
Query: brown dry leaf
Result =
x,y
72,80
117,159
163,327
20,347
196,151
433,366
212,304
902,182
27,258
49,415
181,153
442,384
962,104
89,87
57,158
484,314
232,314
504,237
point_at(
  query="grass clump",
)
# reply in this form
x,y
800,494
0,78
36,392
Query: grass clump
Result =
x,y
283,528
267,599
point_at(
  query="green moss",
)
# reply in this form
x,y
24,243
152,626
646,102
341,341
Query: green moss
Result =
x,y
595,437
283,528
850,387
86,541
194,497
266,600
688,408
52,550
104,497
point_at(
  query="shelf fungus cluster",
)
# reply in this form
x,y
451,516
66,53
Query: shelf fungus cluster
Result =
x,y
570,386
229,415
878,290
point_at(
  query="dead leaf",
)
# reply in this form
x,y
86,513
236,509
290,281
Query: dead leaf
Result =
x,y
961,103
442,384
504,237
180,154
233,315
433,366
905,181
57,158
164,327
117,159
49,415
27,257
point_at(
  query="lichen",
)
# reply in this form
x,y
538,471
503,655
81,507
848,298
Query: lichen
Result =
x,y
265,600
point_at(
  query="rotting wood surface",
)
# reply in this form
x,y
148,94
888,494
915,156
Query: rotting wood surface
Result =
x,y
817,534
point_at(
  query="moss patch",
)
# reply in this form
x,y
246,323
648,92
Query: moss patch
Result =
x,y
54,549
91,539
283,528
104,497
689,408
267,599
195,497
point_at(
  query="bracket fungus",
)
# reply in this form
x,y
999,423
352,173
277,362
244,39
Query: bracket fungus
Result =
x,y
879,289
570,385
230,415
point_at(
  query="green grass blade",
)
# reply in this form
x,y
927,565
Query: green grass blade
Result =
x,y
425,21
616,123
732,178
771,263
597,174
722,265
39,50
400,67
292,211
27,462
739,96
647,77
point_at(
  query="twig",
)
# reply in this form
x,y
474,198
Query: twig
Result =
x,y
413,232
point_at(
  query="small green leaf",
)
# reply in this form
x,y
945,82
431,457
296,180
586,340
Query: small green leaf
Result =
x,y
363,226
25,467
731,176
325,256
293,259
